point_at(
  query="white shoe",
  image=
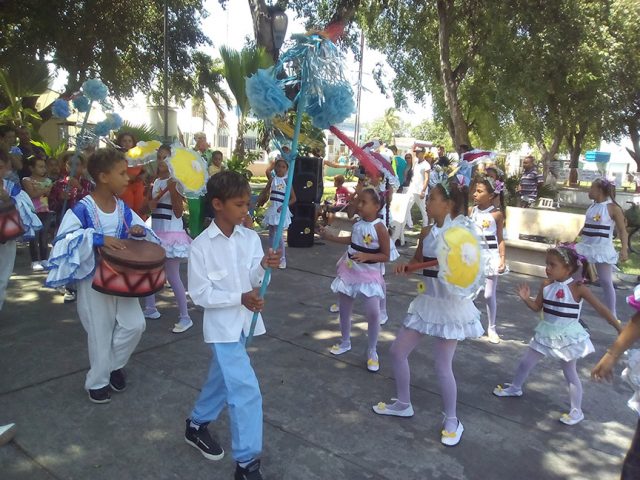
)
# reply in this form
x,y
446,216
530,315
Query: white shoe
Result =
x,y
283,264
573,417
384,318
69,296
183,325
493,337
506,391
36,267
382,409
451,439
7,432
152,314
340,348
373,363
334,308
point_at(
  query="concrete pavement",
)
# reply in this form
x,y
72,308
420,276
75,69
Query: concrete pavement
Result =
x,y
317,407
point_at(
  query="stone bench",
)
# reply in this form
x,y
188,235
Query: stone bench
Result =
x,y
530,232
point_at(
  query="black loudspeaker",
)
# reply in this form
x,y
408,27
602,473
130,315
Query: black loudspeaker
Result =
x,y
300,233
307,180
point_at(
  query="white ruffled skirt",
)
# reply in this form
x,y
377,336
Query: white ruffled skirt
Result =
x,y
564,342
440,314
175,244
272,216
492,262
598,252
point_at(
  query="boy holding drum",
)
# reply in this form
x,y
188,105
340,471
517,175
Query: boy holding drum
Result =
x,y
114,324
226,267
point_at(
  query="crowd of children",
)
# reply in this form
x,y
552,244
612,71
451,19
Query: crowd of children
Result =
x,y
226,265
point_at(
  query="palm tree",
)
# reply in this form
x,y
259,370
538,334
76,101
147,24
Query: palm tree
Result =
x,y
238,65
20,81
207,80
392,121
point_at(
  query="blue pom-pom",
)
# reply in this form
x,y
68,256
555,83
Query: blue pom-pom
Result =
x,y
266,95
81,103
94,89
114,120
336,106
102,128
60,108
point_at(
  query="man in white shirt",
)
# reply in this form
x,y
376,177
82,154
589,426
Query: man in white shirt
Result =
x,y
226,267
419,186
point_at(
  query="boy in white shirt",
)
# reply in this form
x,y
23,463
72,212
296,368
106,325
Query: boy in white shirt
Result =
x,y
226,267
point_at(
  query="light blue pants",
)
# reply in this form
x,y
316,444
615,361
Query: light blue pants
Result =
x,y
233,382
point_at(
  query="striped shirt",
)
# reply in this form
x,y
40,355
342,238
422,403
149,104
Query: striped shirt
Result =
x,y
529,183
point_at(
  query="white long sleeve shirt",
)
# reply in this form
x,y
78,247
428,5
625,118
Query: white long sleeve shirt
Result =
x,y
221,269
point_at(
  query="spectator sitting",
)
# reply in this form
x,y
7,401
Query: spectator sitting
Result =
x,y
340,200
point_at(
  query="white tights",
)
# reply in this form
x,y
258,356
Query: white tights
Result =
x,y
605,275
372,314
532,357
444,349
490,287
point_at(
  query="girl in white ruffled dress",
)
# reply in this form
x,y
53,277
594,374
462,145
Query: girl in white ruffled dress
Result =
x,y
489,222
560,334
596,243
276,186
360,273
167,207
437,312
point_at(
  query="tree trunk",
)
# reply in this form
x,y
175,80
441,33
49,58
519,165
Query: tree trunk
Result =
x,y
634,133
239,150
262,26
460,128
548,154
574,140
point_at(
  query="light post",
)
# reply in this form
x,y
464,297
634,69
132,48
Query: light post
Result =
x,y
279,24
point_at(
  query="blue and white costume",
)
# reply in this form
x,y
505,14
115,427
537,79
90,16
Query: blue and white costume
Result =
x,y
31,224
113,324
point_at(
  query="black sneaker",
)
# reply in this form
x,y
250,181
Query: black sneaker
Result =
x,y
117,380
100,395
250,472
201,439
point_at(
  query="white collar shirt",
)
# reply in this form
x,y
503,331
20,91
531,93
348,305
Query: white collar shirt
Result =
x,y
221,269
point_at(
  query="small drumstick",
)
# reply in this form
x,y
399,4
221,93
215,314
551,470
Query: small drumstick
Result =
x,y
412,267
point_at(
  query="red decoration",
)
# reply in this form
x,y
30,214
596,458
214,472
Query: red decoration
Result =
x,y
560,294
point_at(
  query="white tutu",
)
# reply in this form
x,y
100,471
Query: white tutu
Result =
x,y
440,314
272,216
564,342
175,244
598,253
369,289
492,263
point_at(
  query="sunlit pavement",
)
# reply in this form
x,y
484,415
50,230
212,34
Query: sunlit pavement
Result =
x,y
317,407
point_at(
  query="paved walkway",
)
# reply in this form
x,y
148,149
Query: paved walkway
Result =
x,y
318,418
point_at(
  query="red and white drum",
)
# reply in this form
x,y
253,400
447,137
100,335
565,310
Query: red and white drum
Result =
x,y
10,223
136,271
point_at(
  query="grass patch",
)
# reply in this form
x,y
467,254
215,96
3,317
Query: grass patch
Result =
x,y
631,266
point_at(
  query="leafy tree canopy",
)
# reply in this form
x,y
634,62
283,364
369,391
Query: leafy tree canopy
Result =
x,y
119,41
